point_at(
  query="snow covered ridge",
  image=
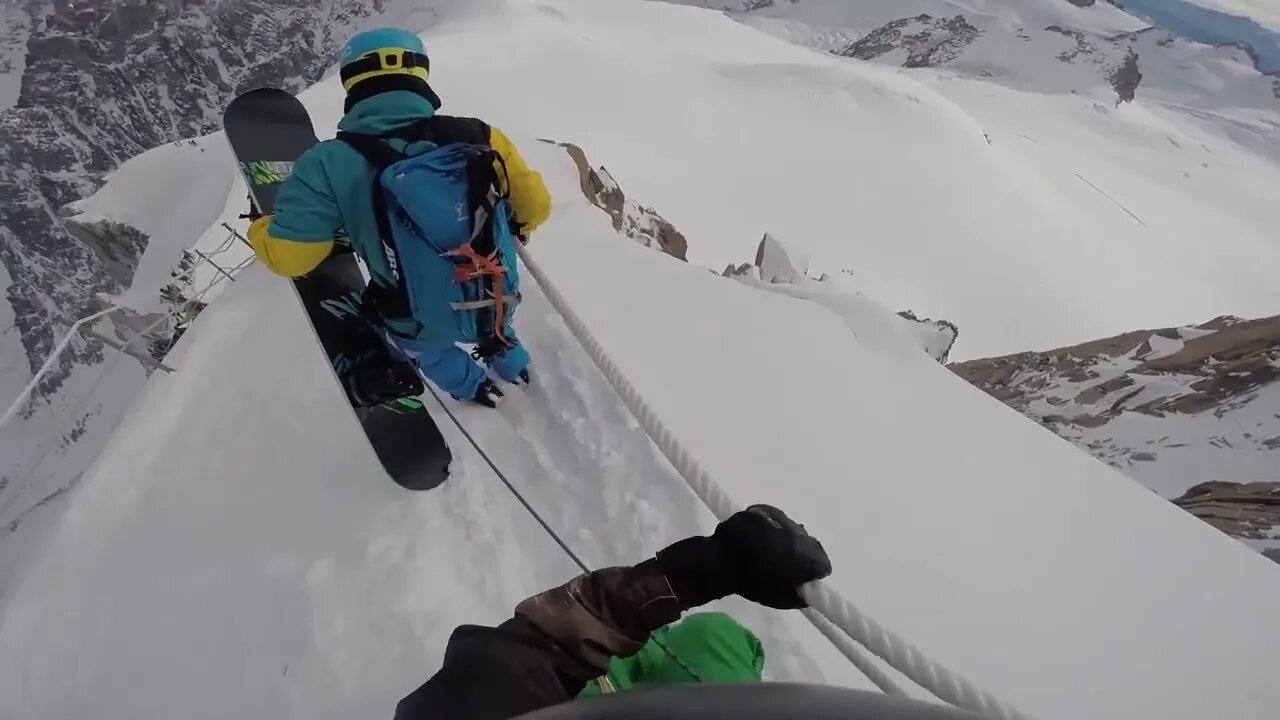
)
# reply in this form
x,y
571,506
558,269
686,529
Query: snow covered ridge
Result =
x,y
777,267
1042,45
1194,409
784,270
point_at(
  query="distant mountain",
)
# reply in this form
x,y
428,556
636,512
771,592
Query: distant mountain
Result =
x,y
1192,412
1078,46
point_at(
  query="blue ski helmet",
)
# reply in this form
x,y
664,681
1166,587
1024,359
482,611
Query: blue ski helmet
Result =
x,y
384,60
362,44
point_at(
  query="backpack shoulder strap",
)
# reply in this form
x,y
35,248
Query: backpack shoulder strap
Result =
x,y
387,302
381,156
374,149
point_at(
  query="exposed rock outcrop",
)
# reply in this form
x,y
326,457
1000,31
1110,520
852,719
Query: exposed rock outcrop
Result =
x,y
1115,57
638,222
937,336
1175,408
920,41
1250,511
1125,77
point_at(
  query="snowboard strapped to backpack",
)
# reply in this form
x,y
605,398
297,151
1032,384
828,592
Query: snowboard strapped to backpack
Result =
x,y
444,219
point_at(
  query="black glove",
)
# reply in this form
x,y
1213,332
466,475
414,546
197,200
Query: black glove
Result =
x,y
758,553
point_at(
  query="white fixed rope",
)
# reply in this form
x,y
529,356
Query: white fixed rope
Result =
x,y
74,330
876,638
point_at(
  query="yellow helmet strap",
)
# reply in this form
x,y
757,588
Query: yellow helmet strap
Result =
x,y
384,62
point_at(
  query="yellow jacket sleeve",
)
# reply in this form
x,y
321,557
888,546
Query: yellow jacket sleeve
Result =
x,y
289,258
530,200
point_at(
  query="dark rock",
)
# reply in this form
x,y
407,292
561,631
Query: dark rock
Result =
x,y
1083,47
1125,77
1117,59
928,41
1242,510
636,221
948,331
1214,371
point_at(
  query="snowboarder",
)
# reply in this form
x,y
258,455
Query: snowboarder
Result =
x,y
562,639
432,204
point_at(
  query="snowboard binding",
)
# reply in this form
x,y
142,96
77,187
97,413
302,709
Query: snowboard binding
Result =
x,y
380,380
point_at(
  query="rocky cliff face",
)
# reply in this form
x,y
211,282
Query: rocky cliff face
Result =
x,y
104,81
84,86
1192,412
921,41
1249,511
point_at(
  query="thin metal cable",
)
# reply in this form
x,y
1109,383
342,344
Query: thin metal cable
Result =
x,y
503,477
536,516
10,493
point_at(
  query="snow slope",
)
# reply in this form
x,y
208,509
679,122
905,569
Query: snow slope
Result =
x,y
171,193
179,202
234,554
221,561
893,177
364,577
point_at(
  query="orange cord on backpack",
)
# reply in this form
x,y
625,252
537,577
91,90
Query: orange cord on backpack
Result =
x,y
482,266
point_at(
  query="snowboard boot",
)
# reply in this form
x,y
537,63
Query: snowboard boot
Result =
x,y
488,394
510,363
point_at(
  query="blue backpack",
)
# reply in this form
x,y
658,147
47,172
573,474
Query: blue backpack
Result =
x,y
444,219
